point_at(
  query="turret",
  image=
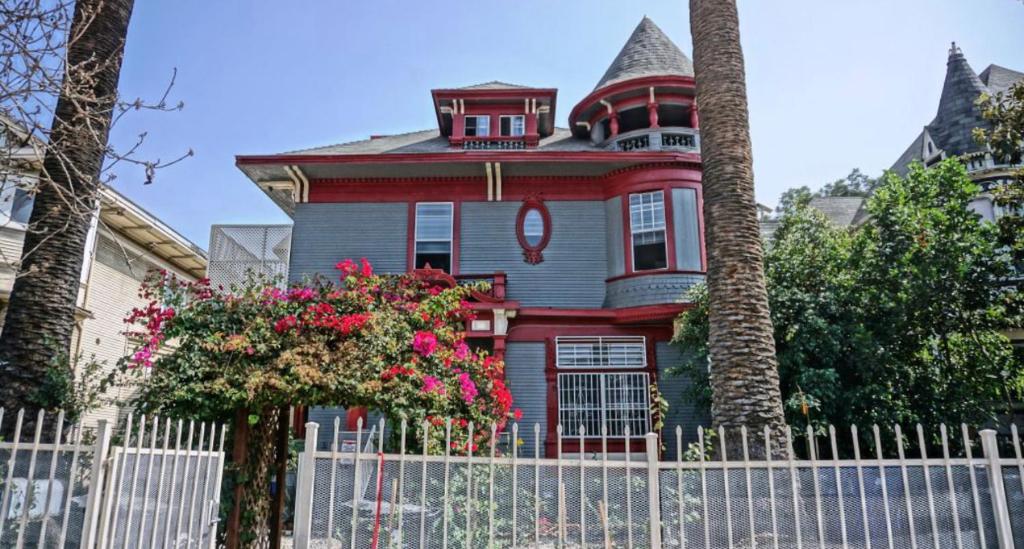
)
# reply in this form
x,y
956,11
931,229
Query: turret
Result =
x,y
645,100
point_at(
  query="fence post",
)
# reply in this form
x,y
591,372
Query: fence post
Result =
x,y
653,490
304,488
93,499
1001,512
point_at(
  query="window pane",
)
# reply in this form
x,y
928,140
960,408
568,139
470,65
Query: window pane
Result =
x,y
434,222
601,352
649,251
533,227
647,224
506,125
434,236
614,400
518,125
470,126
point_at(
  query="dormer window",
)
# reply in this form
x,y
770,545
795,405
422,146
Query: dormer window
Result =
x,y
513,126
478,126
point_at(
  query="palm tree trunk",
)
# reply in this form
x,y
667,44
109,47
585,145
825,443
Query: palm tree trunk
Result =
x,y
41,314
744,372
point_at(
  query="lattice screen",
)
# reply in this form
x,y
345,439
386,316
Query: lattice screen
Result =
x,y
236,250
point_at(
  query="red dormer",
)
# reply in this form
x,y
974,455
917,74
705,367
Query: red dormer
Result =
x,y
495,115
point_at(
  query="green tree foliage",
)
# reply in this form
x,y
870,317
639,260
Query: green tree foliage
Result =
x,y
1005,138
897,322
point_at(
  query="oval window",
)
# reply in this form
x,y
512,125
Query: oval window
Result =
x,y
533,226
533,229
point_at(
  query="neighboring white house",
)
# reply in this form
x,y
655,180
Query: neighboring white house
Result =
x,y
125,242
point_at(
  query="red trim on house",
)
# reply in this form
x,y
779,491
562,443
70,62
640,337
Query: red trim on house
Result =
x,y
470,156
654,273
618,106
570,443
610,91
533,253
514,187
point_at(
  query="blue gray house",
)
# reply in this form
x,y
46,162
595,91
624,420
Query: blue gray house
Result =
x,y
590,235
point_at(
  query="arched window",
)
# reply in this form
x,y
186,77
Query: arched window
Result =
x,y
533,229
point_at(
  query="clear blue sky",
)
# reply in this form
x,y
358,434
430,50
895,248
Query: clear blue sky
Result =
x,y
833,85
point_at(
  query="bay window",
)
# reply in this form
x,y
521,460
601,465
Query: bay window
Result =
x,y
647,230
615,395
433,244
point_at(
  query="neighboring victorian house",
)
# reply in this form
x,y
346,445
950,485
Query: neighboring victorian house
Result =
x,y
591,235
125,242
949,134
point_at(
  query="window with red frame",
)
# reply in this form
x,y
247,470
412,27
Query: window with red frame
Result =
x,y
609,392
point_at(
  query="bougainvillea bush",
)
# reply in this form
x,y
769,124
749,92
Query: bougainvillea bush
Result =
x,y
392,343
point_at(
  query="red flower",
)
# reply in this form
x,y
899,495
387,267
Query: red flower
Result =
x,y
518,414
366,268
285,324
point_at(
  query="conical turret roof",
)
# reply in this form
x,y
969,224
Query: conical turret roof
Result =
x,y
648,52
957,114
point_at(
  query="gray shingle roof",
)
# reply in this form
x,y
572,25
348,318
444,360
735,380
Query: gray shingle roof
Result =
x,y
648,52
494,85
957,115
999,79
840,210
431,141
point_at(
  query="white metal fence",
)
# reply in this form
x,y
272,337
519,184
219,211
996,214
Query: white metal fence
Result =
x,y
965,496
160,487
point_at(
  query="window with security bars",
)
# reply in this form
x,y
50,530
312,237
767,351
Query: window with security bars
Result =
x,y
592,400
647,230
601,352
434,235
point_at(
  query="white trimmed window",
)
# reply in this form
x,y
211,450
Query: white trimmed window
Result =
x,y
616,400
478,126
601,352
612,399
434,235
512,126
647,230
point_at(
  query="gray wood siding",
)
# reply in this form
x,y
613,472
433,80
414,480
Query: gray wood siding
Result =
x,y
524,369
325,417
682,411
687,230
616,246
575,261
324,234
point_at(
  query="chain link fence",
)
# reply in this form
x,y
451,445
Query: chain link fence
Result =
x,y
356,496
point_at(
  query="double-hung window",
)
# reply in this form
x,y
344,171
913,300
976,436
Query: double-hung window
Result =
x,y
609,392
478,126
513,126
434,235
647,230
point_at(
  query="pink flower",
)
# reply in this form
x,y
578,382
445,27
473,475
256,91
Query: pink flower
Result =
x,y
424,343
366,268
301,294
468,388
431,384
518,414
461,351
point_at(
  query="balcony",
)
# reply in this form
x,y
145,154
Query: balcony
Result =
x,y
658,139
